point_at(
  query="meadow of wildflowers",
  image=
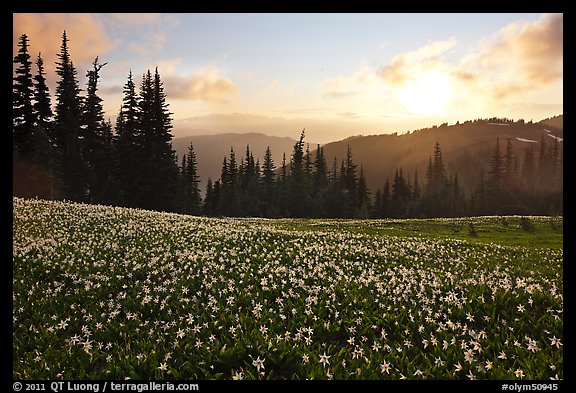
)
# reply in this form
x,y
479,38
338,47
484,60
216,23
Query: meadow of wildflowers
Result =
x,y
103,292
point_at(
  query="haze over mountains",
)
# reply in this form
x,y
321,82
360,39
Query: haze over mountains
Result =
x,y
466,148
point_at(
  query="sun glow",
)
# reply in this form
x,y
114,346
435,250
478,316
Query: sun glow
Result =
x,y
427,94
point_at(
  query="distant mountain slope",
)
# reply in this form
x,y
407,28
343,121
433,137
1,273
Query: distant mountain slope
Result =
x,y
556,121
211,150
466,148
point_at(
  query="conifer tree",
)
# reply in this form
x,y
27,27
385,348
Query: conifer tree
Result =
x,y
95,149
495,183
42,105
34,169
433,202
193,197
67,128
42,148
363,196
127,143
297,195
350,179
529,170
22,95
210,202
229,188
320,169
400,195
158,176
268,182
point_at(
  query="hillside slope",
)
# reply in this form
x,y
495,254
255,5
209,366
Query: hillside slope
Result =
x,y
466,148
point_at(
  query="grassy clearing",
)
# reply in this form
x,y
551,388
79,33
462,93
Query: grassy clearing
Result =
x,y
531,231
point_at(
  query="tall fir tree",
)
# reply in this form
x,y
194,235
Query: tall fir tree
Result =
x,y
479,200
509,177
320,169
192,180
210,202
95,149
42,105
349,184
433,201
229,186
67,128
127,144
280,198
157,187
495,184
363,196
22,99
268,182
400,195
416,192
33,161
42,147
297,193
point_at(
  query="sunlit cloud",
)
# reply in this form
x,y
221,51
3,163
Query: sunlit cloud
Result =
x,y
518,58
137,19
153,43
86,33
361,82
419,78
205,85
408,66
150,30
513,65
348,115
166,67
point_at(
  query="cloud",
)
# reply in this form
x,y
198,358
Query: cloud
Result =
x,y
205,85
517,63
86,33
166,67
348,115
404,66
361,81
519,57
148,29
136,19
153,43
111,90
91,35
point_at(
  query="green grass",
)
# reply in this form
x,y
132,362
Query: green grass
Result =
x,y
531,232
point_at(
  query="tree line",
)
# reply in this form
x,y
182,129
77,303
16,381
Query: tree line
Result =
x,y
73,153
306,186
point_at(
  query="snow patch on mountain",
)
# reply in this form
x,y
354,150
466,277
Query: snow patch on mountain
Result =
x,y
526,140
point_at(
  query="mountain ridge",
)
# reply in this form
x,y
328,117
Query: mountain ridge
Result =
x,y
466,147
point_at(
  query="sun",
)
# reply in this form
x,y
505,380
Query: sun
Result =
x,y
427,94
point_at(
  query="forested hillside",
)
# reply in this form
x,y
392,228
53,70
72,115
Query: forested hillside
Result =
x,y
466,147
